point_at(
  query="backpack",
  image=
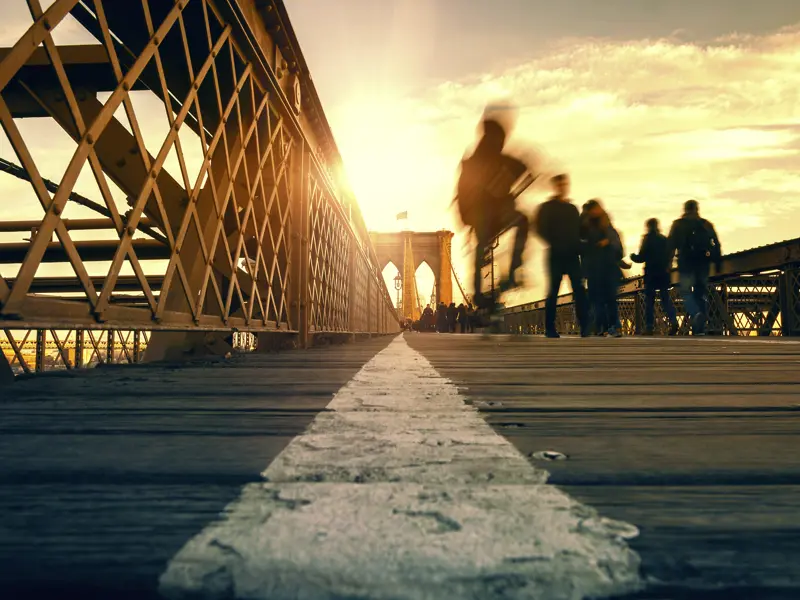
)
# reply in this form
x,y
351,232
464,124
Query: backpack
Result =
x,y
700,244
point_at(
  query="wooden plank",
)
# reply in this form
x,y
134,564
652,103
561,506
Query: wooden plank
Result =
x,y
691,440
108,472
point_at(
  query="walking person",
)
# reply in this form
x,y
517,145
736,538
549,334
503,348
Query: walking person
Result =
x,y
697,245
558,224
602,256
461,319
452,317
653,252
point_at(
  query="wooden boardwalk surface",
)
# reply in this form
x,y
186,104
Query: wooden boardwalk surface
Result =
x,y
106,474
695,441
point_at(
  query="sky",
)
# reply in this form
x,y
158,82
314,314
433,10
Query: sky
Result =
x,y
645,103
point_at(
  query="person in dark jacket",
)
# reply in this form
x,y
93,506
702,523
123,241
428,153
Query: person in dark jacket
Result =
x,y
452,317
558,224
428,319
441,318
653,252
461,318
486,204
698,247
601,258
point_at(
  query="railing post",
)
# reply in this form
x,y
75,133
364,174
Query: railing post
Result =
x,y
300,254
351,286
110,347
790,300
41,343
136,345
78,348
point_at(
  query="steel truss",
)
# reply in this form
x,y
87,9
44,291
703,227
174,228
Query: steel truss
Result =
x,y
261,237
756,293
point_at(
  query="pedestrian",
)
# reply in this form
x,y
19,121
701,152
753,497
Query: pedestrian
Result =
x,y
462,318
441,318
698,247
558,224
452,317
602,256
653,252
486,203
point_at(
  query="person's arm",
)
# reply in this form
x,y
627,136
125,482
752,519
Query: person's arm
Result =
x,y
540,222
673,242
615,241
641,256
717,256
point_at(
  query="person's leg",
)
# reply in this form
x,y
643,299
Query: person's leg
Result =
x,y
612,309
573,271
556,274
520,239
668,307
649,306
700,293
686,285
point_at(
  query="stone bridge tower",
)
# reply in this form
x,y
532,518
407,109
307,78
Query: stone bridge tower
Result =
x,y
407,250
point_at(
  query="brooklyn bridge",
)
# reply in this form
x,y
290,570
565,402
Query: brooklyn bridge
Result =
x,y
206,391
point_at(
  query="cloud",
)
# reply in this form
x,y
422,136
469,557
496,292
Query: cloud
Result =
x,y
642,124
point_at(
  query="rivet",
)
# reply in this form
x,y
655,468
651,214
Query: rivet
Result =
x,y
131,230
90,139
46,24
56,210
126,86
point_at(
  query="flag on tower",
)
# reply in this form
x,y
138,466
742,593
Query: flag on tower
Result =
x,y
402,215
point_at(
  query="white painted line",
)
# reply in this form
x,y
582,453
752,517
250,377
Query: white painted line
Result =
x,y
403,491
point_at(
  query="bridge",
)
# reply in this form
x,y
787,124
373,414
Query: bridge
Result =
x,y
256,426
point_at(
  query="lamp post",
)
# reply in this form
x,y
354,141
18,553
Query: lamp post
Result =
x,y
398,285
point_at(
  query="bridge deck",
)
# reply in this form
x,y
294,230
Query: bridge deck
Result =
x,y
109,474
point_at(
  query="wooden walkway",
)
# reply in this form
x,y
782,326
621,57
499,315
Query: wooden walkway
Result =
x,y
107,473
695,441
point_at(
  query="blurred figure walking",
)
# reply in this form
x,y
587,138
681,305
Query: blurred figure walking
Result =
x,y
485,199
602,255
558,224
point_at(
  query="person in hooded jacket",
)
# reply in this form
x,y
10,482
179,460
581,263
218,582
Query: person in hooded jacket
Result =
x,y
602,253
653,252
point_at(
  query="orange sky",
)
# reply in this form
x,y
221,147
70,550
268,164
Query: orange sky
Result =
x,y
641,118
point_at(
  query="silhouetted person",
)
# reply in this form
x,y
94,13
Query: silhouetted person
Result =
x,y
698,247
601,260
428,319
487,205
452,317
461,318
654,253
441,318
558,224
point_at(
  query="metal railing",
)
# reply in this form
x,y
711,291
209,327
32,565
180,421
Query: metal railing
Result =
x,y
756,292
229,220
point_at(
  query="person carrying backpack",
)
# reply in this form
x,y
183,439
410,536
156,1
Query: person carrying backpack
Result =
x,y
653,253
698,247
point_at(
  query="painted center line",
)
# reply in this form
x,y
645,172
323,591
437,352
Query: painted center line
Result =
x,y
402,491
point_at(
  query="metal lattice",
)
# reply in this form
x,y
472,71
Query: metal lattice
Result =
x,y
224,218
